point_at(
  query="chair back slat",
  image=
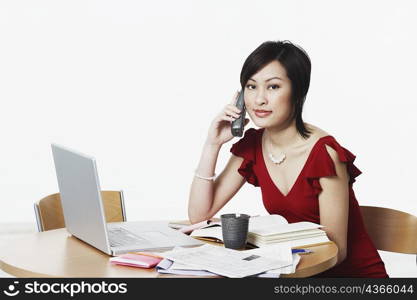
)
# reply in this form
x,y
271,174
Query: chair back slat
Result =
x,y
51,215
390,229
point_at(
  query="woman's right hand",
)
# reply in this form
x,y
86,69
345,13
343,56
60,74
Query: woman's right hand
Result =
x,y
220,129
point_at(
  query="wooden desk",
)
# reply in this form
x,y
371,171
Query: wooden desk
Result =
x,y
56,253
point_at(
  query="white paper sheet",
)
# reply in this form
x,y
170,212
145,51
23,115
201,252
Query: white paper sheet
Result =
x,y
232,263
168,267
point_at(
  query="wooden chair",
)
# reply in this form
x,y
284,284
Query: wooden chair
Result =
x,y
49,214
391,230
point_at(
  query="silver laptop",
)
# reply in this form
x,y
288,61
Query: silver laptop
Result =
x,y
84,214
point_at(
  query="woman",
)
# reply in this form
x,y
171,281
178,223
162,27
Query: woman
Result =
x,y
303,172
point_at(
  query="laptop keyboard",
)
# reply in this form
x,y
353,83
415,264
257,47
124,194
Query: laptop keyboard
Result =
x,y
121,237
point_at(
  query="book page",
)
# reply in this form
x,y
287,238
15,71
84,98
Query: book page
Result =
x,y
211,232
284,228
261,222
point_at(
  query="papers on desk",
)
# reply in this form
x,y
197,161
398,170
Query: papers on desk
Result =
x,y
266,230
209,260
167,266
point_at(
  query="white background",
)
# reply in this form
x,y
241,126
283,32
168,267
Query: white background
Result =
x,y
136,84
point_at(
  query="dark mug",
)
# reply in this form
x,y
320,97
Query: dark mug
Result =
x,y
235,230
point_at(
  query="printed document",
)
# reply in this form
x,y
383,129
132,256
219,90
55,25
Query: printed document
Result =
x,y
232,263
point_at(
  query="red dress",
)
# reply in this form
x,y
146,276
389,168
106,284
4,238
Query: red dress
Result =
x,y
301,203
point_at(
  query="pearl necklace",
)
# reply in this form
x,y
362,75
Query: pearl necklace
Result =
x,y
278,160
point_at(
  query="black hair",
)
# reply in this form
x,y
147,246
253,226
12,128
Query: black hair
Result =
x,y
298,66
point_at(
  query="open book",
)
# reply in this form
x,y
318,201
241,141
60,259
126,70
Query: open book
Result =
x,y
270,229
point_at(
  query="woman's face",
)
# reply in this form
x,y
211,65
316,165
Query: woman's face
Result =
x,y
268,96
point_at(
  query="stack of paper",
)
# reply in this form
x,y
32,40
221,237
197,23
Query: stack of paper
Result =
x,y
297,234
209,260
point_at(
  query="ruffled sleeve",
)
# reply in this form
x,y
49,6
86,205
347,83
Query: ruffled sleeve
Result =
x,y
246,148
322,165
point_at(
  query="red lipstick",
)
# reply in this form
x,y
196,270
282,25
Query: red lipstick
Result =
x,y
260,113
